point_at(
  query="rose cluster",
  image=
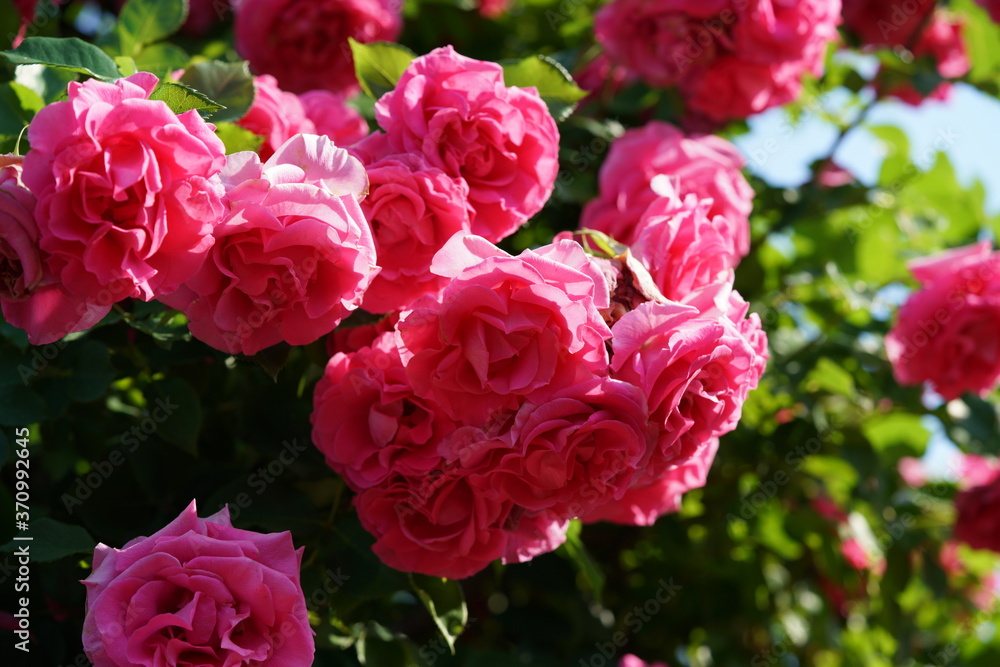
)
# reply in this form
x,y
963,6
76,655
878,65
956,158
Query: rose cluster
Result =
x,y
120,198
728,58
516,393
946,332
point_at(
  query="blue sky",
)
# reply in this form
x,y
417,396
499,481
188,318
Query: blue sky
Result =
x,y
780,153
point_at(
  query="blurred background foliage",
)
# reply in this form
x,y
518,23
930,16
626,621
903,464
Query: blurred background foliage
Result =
x,y
132,419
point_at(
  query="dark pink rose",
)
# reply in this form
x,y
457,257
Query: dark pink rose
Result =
x,y
439,524
502,140
659,154
532,534
736,88
978,520
695,368
682,247
113,171
367,421
505,328
943,43
644,503
198,591
885,22
333,117
580,448
292,258
21,268
493,9
946,332
993,7
303,43
785,30
664,42
205,15
413,209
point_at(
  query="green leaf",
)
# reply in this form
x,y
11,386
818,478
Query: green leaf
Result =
x,y
181,98
126,65
237,138
896,435
18,105
377,647
175,408
51,540
588,572
379,65
71,53
554,83
143,22
228,84
445,601
828,376
162,59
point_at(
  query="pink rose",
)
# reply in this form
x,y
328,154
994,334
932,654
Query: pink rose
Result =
x,y
644,503
205,15
367,421
333,117
277,116
946,332
493,9
943,42
978,520
885,22
113,171
580,448
632,661
505,328
303,43
439,524
292,258
19,254
664,42
706,166
532,534
413,209
198,590
684,249
736,88
786,30
695,368
501,140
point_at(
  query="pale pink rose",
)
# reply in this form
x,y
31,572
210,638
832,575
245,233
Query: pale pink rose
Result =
x,y
114,172
683,248
31,295
974,470
333,117
202,589
695,368
912,471
367,421
885,22
664,42
502,140
439,524
581,448
644,503
993,7
633,661
706,166
303,43
946,332
292,258
413,209
944,43
978,509
505,328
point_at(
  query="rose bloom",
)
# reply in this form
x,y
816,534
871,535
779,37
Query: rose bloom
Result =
x,y
113,172
438,524
993,7
633,661
303,43
31,296
505,328
941,41
367,421
413,209
695,367
581,448
978,520
946,332
198,591
293,257
278,115
502,140
878,22
532,534
493,9
706,166
664,41
684,249
644,503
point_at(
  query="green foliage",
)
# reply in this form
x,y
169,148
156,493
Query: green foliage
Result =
x,y
181,98
553,82
144,22
229,84
379,65
69,53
